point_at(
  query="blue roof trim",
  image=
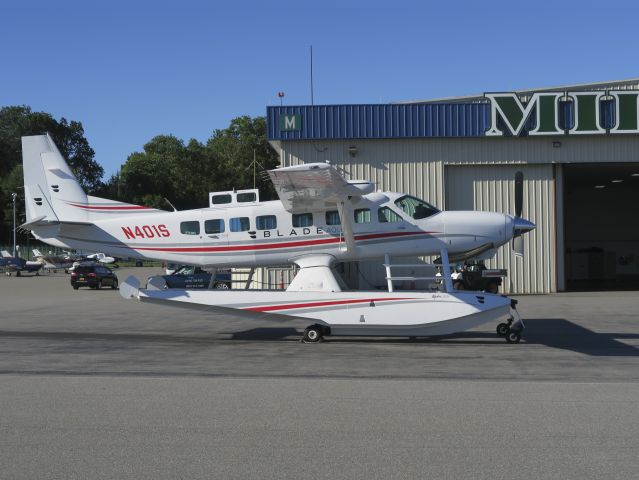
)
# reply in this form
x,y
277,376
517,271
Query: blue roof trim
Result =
x,y
432,120
381,121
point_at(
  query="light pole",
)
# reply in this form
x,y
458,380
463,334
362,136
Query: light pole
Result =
x,y
13,197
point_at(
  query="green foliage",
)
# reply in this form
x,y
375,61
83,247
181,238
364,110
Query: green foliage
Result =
x,y
234,147
166,168
19,121
186,173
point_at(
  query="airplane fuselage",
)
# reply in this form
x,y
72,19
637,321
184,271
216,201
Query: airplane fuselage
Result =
x,y
265,233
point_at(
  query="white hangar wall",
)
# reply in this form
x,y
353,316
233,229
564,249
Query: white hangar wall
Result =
x,y
478,173
492,188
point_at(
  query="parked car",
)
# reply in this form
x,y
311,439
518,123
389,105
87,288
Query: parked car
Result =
x,y
190,277
93,276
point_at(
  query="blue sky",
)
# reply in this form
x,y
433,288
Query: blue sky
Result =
x,y
130,70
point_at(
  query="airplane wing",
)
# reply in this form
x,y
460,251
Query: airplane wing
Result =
x,y
315,186
319,186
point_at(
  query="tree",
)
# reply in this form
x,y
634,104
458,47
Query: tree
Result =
x,y
185,174
19,121
234,147
165,169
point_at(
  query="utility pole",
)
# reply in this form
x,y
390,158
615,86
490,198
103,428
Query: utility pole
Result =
x,y
13,197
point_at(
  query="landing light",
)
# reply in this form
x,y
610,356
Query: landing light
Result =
x,y
600,186
616,181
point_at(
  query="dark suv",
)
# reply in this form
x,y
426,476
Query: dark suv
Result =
x,y
93,276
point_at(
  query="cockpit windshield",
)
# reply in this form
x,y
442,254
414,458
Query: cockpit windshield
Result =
x,y
415,207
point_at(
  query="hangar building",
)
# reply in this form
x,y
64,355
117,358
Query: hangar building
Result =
x,y
577,146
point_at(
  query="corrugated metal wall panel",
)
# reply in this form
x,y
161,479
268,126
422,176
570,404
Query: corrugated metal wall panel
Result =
x,y
492,188
468,120
376,161
416,166
381,121
374,156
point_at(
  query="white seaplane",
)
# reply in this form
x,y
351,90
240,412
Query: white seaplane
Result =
x,y
320,219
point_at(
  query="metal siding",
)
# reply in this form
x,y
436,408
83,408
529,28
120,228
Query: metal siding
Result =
x,y
325,122
416,166
381,121
491,188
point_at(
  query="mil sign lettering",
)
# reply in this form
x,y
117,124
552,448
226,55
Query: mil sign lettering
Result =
x,y
546,105
290,123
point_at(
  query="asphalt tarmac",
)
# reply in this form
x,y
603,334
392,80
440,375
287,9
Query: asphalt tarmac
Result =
x,y
93,386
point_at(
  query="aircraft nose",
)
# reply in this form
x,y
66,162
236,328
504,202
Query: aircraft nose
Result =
x,y
521,225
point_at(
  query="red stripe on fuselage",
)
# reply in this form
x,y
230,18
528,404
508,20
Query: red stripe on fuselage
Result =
x,y
272,246
292,306
98,207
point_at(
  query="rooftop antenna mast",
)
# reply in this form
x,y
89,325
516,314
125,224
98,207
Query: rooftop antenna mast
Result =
x,y
311,75
255,163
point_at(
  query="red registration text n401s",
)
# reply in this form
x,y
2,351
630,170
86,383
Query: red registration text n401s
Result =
x,y
146,231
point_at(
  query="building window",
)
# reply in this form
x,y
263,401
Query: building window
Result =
x,y
386,215
239,224
332,217
190,228
302,220
266,222
363,215
214,226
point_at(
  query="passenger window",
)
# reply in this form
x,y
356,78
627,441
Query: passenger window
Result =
x,y
363,215
221,199
214,226
266,222
386,215
239,224
302,220
190,228
332,217
245,197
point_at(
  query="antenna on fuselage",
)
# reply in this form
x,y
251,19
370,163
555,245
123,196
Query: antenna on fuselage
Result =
x,y
172,206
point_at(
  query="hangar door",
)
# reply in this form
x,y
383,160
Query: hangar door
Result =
x,y
601,227
492,188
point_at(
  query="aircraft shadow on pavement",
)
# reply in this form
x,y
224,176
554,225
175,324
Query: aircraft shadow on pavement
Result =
x,y
558,333
566,335
267,333
551,332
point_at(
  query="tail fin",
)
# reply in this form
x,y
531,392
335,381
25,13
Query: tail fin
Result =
x,y
37,253
5,254
52,193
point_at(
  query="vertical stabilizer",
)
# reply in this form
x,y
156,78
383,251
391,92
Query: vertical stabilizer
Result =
x,y
51,189
53,195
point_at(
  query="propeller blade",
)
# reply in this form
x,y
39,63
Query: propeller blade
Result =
x,y
518,246
519,193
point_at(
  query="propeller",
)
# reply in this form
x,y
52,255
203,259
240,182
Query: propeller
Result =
x,y
521,225
519,193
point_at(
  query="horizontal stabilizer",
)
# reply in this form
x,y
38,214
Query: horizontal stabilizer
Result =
x,y
130,288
